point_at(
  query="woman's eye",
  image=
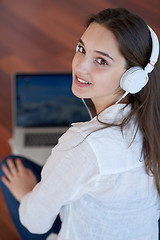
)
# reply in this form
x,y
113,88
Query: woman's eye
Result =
x,y
80,49
101,61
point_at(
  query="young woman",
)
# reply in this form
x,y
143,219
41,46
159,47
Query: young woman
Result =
x,y
103,176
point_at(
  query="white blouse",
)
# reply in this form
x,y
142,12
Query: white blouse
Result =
x,y
97,182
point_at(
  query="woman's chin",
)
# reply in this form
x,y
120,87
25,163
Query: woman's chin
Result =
x,y
78,94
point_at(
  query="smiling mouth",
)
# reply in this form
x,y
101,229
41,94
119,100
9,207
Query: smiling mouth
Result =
x,y
82,81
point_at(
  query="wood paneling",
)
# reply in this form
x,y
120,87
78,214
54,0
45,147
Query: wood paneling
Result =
x,y
41,36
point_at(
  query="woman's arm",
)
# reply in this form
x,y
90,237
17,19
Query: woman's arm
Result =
x,y
69,173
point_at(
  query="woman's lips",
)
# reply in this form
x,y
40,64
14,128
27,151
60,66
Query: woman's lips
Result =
x,y
81,82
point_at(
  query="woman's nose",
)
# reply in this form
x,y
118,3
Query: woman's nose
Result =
x,y
83,66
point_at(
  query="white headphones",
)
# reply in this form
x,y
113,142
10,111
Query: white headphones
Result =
x,y
135,78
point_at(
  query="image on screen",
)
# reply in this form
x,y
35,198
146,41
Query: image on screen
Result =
x,y
47,100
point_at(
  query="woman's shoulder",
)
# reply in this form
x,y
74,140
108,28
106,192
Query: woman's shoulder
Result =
x,y
78,131
95,126
85,128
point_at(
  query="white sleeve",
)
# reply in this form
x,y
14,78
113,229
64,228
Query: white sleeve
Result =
x,y
70,172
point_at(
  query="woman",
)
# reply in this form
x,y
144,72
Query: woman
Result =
x,y
103,176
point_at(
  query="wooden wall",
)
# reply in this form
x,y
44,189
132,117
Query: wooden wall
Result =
x,y
38,35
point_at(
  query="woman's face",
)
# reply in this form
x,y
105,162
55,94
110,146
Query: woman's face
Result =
x,y
97,67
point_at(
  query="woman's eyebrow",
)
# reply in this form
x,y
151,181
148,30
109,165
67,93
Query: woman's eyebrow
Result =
x,y
100,52
105,54
80,40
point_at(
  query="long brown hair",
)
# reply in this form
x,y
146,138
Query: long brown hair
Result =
x,y
135,44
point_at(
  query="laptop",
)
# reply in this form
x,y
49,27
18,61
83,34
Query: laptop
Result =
x,y
43,109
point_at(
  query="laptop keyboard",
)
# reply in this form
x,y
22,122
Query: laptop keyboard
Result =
x,y
41,139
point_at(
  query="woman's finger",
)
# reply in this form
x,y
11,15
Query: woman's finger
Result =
x,y
19,165
5,181
11,166
7,172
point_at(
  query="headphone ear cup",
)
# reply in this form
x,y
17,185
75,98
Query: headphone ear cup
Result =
x,y
133,80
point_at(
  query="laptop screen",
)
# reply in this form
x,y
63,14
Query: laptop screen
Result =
x,y
45,100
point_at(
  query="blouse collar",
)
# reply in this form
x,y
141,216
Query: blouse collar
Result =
x,y
115,112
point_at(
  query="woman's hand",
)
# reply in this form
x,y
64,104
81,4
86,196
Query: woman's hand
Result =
x,y
19,179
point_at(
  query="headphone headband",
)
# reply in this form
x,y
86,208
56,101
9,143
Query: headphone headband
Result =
x,y
155,51
135,78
